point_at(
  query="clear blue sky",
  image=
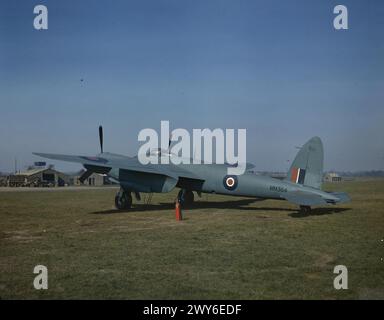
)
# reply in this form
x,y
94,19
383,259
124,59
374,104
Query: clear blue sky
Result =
x,y
277,68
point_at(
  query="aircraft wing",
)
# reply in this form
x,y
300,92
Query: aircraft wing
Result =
x,y
304,198
75,159
123,162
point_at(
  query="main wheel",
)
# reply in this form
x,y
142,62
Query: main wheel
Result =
x,y
123,200
185,197
305,209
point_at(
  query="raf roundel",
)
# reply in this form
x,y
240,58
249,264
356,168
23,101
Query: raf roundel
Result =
x,y
230,182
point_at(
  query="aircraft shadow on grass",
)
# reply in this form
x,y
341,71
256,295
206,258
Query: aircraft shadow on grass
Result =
x,y
169,206
317,212
241,204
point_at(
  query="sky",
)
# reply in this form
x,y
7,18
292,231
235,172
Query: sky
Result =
x,y
276,68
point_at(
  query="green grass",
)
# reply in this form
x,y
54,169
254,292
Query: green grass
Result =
x,y
226,248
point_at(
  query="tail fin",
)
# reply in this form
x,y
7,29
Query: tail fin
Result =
x,y
307,168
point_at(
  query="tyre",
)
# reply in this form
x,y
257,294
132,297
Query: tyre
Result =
x,y
305,209
186,197
123,200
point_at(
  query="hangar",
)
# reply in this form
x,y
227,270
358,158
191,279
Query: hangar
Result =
x,y
39,177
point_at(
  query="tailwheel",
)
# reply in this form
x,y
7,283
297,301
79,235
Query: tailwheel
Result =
x,y
123,200
185,197
305,209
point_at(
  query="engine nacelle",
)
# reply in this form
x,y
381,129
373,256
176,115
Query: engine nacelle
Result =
x,y
146,182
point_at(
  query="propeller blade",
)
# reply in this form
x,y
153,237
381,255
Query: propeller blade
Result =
x,y
85,176
101,138
137,196
169,141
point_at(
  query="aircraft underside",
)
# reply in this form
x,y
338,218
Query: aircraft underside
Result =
x,y
185,197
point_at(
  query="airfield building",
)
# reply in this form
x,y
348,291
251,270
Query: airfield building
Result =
x,y
95,180
3,180
332,177
39,177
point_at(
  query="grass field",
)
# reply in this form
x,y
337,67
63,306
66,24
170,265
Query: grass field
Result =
x,y
226,248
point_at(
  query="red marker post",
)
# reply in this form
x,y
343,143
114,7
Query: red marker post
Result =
x,y
179,215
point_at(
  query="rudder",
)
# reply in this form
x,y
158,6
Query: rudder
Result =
x,y
307,168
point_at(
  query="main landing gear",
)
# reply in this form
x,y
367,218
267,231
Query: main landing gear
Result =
x,y
185,197
123,200
305,209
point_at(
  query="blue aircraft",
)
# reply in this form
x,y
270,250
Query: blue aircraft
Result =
x,y
302,186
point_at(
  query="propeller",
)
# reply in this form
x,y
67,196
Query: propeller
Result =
x,y
87,173
169,141
101,138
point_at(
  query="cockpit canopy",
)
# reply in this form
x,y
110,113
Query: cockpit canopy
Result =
x,y
159,152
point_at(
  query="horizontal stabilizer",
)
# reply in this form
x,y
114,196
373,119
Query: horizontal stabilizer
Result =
x,y
304,198
342,196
